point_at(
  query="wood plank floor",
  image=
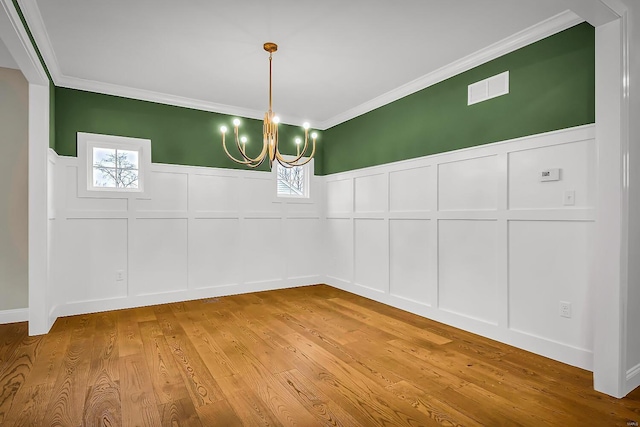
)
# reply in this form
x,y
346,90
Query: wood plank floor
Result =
x,y
305,357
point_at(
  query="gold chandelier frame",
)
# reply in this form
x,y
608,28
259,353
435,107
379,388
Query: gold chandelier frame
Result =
x,y
270,149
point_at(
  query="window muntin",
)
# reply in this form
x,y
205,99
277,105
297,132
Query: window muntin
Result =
x,y
291,181
115,168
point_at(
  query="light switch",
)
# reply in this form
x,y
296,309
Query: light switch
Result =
x,y
569,198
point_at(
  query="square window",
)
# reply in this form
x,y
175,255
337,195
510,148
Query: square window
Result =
x,y
293,182
112,165
113,168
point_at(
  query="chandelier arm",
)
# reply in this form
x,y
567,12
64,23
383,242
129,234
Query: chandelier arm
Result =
x,y
293,162
242,152
296,162
242,162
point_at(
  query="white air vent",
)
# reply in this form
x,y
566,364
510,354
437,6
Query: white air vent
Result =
x,y
488,88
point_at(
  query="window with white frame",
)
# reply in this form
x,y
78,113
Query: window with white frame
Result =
x,y
111,165
293,181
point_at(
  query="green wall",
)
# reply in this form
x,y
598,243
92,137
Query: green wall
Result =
x,y
552,86
178,135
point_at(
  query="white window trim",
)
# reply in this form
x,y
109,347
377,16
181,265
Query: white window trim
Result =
x,y
88,141
308,183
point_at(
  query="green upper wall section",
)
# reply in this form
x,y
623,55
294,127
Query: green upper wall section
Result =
x,y
178,135
552,86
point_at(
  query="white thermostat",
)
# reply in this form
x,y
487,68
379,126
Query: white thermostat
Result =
x,y
550,175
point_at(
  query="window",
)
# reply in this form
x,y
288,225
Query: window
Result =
x,y
114,168
293,181
112,165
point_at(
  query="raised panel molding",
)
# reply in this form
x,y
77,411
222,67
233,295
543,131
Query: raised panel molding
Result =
x,y
203,232
339,249
371,254
468,184
467,268
339,197
459,239
455,266
371,193
420,182
411,264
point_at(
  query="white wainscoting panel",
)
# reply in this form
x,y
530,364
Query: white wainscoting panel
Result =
x,y
263,257
159,256
258,194
169,192
212,193
467,268
302,247
371,259
548,263
575,160
203,232
421,184
468,184
410,260
371,193
473,239
339,196
339,249
94,249
213,252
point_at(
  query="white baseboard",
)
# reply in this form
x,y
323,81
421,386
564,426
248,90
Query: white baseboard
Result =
x,y
15,315
564,353
97,306
633,379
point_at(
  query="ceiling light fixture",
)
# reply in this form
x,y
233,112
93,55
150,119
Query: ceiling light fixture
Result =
x,y
270,148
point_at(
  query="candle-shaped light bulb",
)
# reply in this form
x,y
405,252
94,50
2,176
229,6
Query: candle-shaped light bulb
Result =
x,y
243,140
314,135
236,122
276,119
223,129
298,141
306,125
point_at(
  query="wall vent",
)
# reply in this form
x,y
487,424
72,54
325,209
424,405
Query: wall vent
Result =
x,y
488,88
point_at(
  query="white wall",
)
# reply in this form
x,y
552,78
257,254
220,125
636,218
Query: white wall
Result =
x,y
471,238
204,232
14,115
633,297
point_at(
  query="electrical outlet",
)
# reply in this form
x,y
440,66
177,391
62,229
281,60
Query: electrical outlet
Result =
x,y
569,198
119,275
565,309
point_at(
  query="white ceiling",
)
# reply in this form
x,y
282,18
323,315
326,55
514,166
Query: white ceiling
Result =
x,y
334,57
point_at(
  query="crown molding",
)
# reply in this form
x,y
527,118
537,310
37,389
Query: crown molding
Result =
x,y
553,25
32,15
16,39
168,99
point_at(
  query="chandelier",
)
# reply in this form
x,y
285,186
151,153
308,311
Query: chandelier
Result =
x,y
270,148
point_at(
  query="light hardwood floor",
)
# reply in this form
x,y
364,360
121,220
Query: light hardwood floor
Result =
x,y
306,356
